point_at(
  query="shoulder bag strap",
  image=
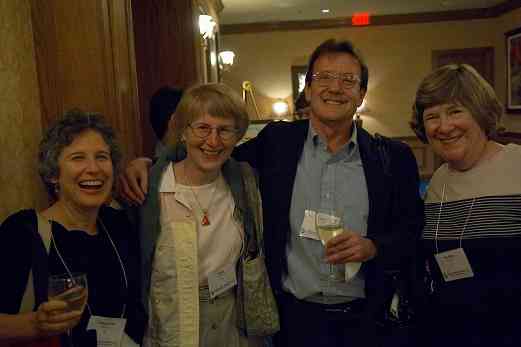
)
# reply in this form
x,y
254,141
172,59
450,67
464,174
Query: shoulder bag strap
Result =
x,y
254,202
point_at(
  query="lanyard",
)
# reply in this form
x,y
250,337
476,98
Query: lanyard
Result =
x,y
69,272
439,217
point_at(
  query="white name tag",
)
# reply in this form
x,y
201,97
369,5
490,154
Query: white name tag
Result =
x,y
109,331
220,282
454,265
308,229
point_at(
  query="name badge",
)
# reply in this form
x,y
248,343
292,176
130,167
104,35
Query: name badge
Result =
x,y
454,265
308,230
109,331
219,282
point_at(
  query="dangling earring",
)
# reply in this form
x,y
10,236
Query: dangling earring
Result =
x,y
56,188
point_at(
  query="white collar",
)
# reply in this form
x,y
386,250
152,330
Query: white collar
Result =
x,y
168,183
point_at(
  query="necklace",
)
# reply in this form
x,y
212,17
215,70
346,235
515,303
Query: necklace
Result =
x,y
205,220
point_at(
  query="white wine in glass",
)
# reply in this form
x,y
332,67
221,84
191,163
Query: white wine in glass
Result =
x,y
73,290
329,225
327,232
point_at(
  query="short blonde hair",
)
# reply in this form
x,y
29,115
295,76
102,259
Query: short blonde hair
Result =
x,y
215,99
457,84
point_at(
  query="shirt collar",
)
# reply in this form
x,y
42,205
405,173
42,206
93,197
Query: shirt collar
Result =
x,y
315,140
168,183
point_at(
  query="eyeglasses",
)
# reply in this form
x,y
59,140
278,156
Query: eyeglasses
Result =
x,y
326,79
203,130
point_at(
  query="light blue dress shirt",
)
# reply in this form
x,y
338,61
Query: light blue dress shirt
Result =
x,y
325,180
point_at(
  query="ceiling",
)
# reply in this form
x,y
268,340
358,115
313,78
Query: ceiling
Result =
x,y
254,11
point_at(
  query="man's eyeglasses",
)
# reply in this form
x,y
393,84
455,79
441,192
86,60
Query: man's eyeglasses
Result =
x,y
203,130
326,79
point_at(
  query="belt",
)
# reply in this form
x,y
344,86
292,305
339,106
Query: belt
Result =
x,y
354,307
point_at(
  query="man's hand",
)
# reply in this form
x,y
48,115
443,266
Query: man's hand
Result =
x,y
54,317
349,247
134,181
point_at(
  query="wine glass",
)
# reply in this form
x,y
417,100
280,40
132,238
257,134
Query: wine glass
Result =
x,y
71,288
329,224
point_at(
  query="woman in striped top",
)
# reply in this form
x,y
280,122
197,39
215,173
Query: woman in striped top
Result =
x,y
472,235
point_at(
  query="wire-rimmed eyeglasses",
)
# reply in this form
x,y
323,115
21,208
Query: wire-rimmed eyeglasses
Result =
x,y
204,130
326,79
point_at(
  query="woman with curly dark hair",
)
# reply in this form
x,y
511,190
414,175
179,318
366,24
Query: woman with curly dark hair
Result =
x,y
77,160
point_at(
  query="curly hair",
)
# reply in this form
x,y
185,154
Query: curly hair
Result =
x,y
457,84
62,133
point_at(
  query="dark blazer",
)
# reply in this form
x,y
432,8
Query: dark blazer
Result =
x,y
395,208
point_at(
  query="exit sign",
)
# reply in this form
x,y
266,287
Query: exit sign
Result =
x,y
362,18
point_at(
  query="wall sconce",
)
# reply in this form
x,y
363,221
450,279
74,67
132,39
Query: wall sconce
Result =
x,y
206,26
280,109
226,59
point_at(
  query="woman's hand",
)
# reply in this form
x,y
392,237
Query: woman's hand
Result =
x,y
54,317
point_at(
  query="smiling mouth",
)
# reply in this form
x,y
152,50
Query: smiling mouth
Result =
x,y
211,153
450,140
91,184
333,102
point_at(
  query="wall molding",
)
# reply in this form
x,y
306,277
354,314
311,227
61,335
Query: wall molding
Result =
x,y
410,18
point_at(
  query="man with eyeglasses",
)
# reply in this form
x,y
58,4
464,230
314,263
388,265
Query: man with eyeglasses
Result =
x,y
327,162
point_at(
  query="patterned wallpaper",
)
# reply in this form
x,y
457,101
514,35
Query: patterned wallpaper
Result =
x,y
20,124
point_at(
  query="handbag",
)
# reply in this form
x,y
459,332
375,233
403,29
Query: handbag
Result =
x,y
256,301
261,315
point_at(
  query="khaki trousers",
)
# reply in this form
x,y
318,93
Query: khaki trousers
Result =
x,y
218,323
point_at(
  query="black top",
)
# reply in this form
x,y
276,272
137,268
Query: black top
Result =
x,y
491,239
90,254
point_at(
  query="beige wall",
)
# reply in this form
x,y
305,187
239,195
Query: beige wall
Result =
x,y
398,57
20,125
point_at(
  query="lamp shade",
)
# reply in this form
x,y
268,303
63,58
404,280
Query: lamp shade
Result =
x,y
227,57
206,25
280,108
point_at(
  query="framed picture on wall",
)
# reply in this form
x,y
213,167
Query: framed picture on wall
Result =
x,y
298,79
513,45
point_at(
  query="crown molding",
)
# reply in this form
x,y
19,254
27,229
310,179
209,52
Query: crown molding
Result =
x,y
409,18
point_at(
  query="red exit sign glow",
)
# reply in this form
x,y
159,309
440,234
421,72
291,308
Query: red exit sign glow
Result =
x,y
362,18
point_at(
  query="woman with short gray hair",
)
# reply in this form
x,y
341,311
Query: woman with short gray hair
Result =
x,y
472,234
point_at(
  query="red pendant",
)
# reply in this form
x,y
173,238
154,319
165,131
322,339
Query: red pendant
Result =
x,y
205,221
